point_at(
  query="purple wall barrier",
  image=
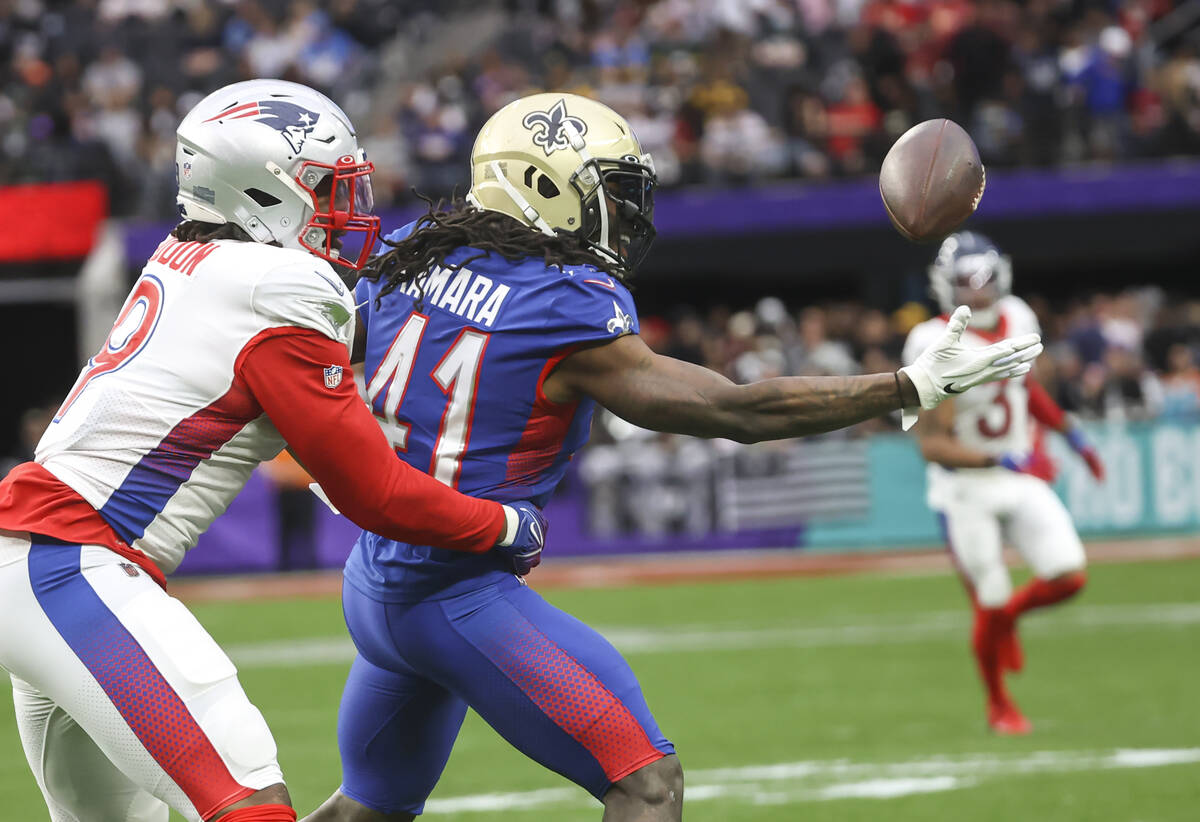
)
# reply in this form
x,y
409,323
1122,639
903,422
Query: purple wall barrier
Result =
x,y
248,537
810,206
244,538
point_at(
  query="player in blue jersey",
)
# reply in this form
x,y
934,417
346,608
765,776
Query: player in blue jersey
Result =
x,y
492,330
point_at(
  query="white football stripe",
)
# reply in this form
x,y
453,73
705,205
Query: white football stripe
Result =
x,y
706,638
821,781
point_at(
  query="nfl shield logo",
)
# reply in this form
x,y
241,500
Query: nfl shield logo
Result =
x,y
333,376
187,169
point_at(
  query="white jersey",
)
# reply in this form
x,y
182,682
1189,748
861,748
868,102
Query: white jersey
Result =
x,y
992,418
158,434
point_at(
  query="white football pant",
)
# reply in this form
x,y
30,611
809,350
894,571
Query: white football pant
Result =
x,y
980,511
124,703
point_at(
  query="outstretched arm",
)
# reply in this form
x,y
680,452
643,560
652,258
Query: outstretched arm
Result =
x,y
665,394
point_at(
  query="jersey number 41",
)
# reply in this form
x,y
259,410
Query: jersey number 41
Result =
x,y
456,374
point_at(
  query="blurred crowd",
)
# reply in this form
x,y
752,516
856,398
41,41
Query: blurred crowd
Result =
x,y
720,91
1116,357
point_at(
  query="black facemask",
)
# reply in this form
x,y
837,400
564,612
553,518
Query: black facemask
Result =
x,y
629,185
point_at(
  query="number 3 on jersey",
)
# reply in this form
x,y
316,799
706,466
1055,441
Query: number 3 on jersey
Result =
x,y
996,418
457,375
130,333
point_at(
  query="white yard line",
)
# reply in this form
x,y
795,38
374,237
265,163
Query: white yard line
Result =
x,y
819,781
706,638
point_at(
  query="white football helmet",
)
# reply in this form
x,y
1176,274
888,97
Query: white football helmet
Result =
x,y
281,161
564,164
970,270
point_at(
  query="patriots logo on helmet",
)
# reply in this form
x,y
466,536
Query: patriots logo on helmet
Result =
x,y
547,127
294,123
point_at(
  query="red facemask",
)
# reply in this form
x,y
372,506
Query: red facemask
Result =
x,y
347,210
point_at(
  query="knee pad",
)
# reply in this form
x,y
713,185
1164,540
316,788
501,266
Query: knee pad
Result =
x,y
240,733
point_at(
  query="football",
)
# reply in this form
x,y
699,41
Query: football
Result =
x,y
931,180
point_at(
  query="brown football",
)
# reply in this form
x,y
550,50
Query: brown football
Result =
x,y
931,180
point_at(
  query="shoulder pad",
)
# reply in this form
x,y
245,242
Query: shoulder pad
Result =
x,y
594,305
307,293
1020,316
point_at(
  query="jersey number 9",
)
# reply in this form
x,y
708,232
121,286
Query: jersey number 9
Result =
x,y
132,330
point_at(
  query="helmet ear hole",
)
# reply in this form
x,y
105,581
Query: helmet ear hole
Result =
x,y
261,197
547,188
544,186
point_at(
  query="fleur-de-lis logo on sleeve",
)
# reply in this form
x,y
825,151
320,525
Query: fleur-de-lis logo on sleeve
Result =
x,y
547,127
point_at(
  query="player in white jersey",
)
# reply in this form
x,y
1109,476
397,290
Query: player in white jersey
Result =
x,y
234,341
988,480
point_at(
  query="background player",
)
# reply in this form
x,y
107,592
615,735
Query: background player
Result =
x,y
987,479
492,330
234,340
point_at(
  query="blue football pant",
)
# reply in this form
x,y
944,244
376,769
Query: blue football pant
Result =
x,y
550,685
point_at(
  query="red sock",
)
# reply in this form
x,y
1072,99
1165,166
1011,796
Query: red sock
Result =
x,y
990,625
1038,593
260,813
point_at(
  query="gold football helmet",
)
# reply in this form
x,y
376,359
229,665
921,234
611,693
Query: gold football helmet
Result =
x,y
562,163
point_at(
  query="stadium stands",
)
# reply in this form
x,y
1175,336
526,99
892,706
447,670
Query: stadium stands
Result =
x,y
720,91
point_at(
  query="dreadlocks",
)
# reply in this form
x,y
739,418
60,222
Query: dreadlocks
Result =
x,y
194,231
440,232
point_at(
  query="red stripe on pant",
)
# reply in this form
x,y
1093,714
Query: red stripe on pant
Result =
x,y
155,713
575,700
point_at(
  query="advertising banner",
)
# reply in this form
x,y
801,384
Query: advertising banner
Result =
x,y
671,494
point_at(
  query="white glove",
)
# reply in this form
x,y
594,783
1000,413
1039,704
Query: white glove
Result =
x,y
947,367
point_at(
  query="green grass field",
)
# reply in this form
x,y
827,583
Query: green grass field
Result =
x,y
839,698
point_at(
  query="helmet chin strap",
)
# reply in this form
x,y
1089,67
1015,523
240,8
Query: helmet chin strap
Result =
x,y
603,247
531,213
287,179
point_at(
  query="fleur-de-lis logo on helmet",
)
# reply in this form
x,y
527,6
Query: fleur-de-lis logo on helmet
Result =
x,y
547,127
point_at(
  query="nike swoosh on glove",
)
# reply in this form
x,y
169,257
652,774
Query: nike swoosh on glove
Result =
x,y
524,538
948,367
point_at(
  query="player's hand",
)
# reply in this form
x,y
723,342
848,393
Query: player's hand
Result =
x,y
1083,447
524,537
948,367
1035,463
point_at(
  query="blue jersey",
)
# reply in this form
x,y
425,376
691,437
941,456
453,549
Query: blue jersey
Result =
x,y
454,370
